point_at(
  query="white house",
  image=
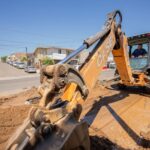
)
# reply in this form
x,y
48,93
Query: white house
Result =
x,y
55,53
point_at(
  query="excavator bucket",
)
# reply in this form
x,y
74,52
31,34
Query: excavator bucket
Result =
x,y
54,123
65,134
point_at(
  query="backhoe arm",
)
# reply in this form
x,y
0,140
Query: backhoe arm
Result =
x,y
54,124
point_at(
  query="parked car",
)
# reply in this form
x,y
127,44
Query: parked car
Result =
x,y
75,63
20,65
111,65
15,64
77,66
11,62
7,61
30,69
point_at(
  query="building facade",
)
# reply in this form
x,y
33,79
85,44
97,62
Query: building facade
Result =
x,y
54,53
16,56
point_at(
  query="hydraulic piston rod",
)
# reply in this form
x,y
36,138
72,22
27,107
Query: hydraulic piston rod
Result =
x,y
91,40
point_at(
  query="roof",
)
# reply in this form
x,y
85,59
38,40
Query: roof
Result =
x,y
19,54
139,39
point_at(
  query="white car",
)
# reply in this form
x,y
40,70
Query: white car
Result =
x,y
15,64
112,65
30,69
20,65
11,63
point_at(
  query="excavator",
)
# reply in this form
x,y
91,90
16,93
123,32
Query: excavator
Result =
x,y
54,123
142,63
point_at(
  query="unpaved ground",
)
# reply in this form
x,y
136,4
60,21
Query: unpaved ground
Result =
x,y
104,129
13,111
10,119
120,118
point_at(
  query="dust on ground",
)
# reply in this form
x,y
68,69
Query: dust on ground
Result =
x,y
13,111
19,98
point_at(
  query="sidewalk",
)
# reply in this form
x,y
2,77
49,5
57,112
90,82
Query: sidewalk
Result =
x,y
19,77
16,91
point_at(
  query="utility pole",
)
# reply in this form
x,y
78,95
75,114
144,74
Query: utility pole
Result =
x,y
27,54
26,50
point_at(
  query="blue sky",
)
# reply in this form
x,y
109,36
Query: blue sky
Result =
x,y
63,23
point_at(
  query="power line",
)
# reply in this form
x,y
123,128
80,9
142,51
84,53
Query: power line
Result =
x,y
34,43
20,42
10,49
8,45
35,34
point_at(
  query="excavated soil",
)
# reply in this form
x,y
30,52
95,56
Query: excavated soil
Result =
x,y
10,119
14,109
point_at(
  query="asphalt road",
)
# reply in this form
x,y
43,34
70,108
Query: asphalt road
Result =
x,y
11,86
14,85
7,70
13,80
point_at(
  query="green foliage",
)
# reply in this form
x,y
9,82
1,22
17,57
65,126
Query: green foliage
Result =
x,y
24,59
47,61
3,58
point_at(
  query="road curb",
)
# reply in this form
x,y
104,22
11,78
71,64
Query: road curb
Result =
x,y
21,77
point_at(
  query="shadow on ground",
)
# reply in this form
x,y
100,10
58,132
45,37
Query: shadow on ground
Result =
x,y
97,142
103,143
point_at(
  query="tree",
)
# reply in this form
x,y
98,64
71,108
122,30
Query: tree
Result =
x,y
3,58
47,61
23,59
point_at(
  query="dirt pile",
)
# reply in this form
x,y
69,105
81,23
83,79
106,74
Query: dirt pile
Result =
x,y
18,99
13,111
106,105
10,119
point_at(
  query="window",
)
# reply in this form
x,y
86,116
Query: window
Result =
x,y
134,47
138,62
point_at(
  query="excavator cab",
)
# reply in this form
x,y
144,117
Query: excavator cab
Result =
x,y
140,62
